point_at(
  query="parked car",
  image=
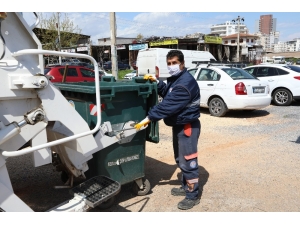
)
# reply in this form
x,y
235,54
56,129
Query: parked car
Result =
x,y
104,73
74,73
295,68
284,83
121,66
298,62
224,88
64,60
87,65
133,64
130,75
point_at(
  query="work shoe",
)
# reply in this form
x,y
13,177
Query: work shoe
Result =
x,y
178,191
188,203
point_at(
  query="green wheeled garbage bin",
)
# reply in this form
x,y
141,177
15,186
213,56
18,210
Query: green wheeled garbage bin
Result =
x,y
121,101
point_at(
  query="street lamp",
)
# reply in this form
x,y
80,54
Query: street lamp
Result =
x,y
238,19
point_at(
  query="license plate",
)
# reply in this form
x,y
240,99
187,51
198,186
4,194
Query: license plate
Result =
x,y
258,90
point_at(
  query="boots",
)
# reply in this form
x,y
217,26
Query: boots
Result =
x,y
188,203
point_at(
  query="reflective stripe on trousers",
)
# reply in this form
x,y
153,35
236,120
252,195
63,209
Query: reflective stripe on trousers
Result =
x,y
185,153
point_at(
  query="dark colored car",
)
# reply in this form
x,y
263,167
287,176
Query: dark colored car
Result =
x,y
121,66
298,62
133,64
74,73
294,68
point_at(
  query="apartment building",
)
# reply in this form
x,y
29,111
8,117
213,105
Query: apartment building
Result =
x,y
228,28
268,41
288,46
266,24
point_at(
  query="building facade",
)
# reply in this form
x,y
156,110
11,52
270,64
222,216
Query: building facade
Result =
x,y
266,24
249,48
288,46
228,28
268,41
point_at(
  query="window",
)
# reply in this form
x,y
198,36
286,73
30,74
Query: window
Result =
x,y
247,40
193,71
241,40
226,42
236,73
232,41
87,73
266,71
207,75
71,72
215,76
282,72
251,40
250,70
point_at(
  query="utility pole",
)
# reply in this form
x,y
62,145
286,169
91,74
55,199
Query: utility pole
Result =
x,y
114,65
58,32
238,19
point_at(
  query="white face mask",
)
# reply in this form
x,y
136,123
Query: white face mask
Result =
x,y
174,69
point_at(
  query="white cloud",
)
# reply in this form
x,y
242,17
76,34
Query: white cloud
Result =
x,y
292,36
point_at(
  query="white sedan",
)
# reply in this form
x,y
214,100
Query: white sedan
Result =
x,y
284,82
224,88
130,75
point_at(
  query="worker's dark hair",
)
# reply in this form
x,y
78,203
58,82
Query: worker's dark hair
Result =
x,y
177,53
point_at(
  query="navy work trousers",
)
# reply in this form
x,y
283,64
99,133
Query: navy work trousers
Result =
x,y
186,156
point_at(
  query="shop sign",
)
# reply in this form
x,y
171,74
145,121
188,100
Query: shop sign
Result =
x,y
165,42
120,47
212,40
138,47
82,49
72,50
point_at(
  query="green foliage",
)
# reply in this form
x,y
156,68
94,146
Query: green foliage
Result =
x,y
48,31
139,36
122,73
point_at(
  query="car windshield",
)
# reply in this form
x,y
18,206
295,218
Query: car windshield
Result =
x,y
238,74
294,68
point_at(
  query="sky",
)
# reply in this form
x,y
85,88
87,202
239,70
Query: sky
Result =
x,y
172,19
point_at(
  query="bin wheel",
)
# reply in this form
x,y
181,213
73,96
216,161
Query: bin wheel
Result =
x,y
144,191
107,204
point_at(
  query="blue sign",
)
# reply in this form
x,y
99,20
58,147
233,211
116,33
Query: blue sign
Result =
x,y
138,46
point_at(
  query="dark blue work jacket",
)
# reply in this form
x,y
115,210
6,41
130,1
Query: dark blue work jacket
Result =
x,y
181,100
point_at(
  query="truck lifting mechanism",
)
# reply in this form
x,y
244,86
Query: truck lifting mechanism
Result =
x,y
29,116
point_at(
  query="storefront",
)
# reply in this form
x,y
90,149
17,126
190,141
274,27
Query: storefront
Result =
x,y
212,44
134,50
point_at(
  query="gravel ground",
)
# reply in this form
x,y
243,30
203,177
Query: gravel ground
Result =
x,y
249,162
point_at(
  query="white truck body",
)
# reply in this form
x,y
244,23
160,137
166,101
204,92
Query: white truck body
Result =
x,y
29,114
153,61
279,59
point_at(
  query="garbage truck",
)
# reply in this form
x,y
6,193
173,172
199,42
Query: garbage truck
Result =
x,y
67,122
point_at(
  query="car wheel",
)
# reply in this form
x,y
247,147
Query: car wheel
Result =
x,y
282,97
217,107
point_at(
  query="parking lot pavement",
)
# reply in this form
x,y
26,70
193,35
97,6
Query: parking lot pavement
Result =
x,y
249,162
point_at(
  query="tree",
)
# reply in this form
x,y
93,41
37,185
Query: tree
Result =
x,y
139,37
47,31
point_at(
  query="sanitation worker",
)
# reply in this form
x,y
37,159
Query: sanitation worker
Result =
x,y
180,109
